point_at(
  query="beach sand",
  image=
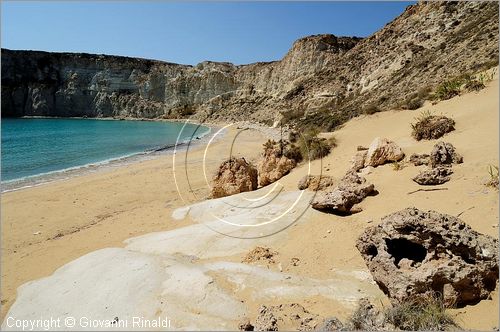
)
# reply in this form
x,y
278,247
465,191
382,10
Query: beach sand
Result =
x,y
103,209
50,225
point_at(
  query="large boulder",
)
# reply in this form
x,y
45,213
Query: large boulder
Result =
x,y
414,253
351,190
444,154
432,127
382,151
234,176
433,176
273,164
316,182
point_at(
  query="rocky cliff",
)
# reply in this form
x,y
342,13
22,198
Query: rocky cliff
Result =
x,y
323,80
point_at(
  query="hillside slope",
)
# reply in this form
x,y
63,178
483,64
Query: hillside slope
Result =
x,y
322,80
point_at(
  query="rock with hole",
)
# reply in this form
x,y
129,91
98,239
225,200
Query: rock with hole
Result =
x,y
414,253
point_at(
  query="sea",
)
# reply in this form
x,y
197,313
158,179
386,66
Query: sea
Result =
x,y
37,150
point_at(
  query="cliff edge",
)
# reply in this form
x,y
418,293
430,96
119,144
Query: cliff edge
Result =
x,y
322,81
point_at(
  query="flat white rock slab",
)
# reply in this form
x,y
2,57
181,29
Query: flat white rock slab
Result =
x,y
158,283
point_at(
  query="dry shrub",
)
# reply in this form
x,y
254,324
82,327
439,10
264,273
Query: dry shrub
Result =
x,y
428,126
308,146
420,314
313,147
448,89
493,172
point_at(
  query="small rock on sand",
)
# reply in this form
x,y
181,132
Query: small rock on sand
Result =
x,y
433,176
260,254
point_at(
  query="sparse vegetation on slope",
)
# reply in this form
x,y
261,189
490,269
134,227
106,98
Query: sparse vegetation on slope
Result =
x,y
308,146
494,175
371,109
417,99
397,165
448,89
466,82
313,147
420,314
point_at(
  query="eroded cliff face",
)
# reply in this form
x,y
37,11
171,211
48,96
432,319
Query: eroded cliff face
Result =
x,y
322,80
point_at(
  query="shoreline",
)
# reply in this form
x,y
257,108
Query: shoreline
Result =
x,y
106,164
47,226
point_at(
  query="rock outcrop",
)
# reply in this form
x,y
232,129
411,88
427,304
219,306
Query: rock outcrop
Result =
x,y
287,317
234,176
382,151
432,127
444,154
351,190
433,176
316,182
273,164
323,80
439,163
414,253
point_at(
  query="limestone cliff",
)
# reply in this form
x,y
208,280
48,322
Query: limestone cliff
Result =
x,y
323,80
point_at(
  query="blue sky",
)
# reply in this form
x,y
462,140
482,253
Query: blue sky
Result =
x,y
185,32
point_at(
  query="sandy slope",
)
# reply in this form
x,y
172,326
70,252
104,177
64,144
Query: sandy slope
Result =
x,y
109,207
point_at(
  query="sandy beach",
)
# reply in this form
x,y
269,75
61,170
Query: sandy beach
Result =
x,y
45,227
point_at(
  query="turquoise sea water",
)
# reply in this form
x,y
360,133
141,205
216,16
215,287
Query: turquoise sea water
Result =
x,y
33,147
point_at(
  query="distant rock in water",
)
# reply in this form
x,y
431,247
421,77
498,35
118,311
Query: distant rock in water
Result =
x,y
234,176
415,253
427,44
